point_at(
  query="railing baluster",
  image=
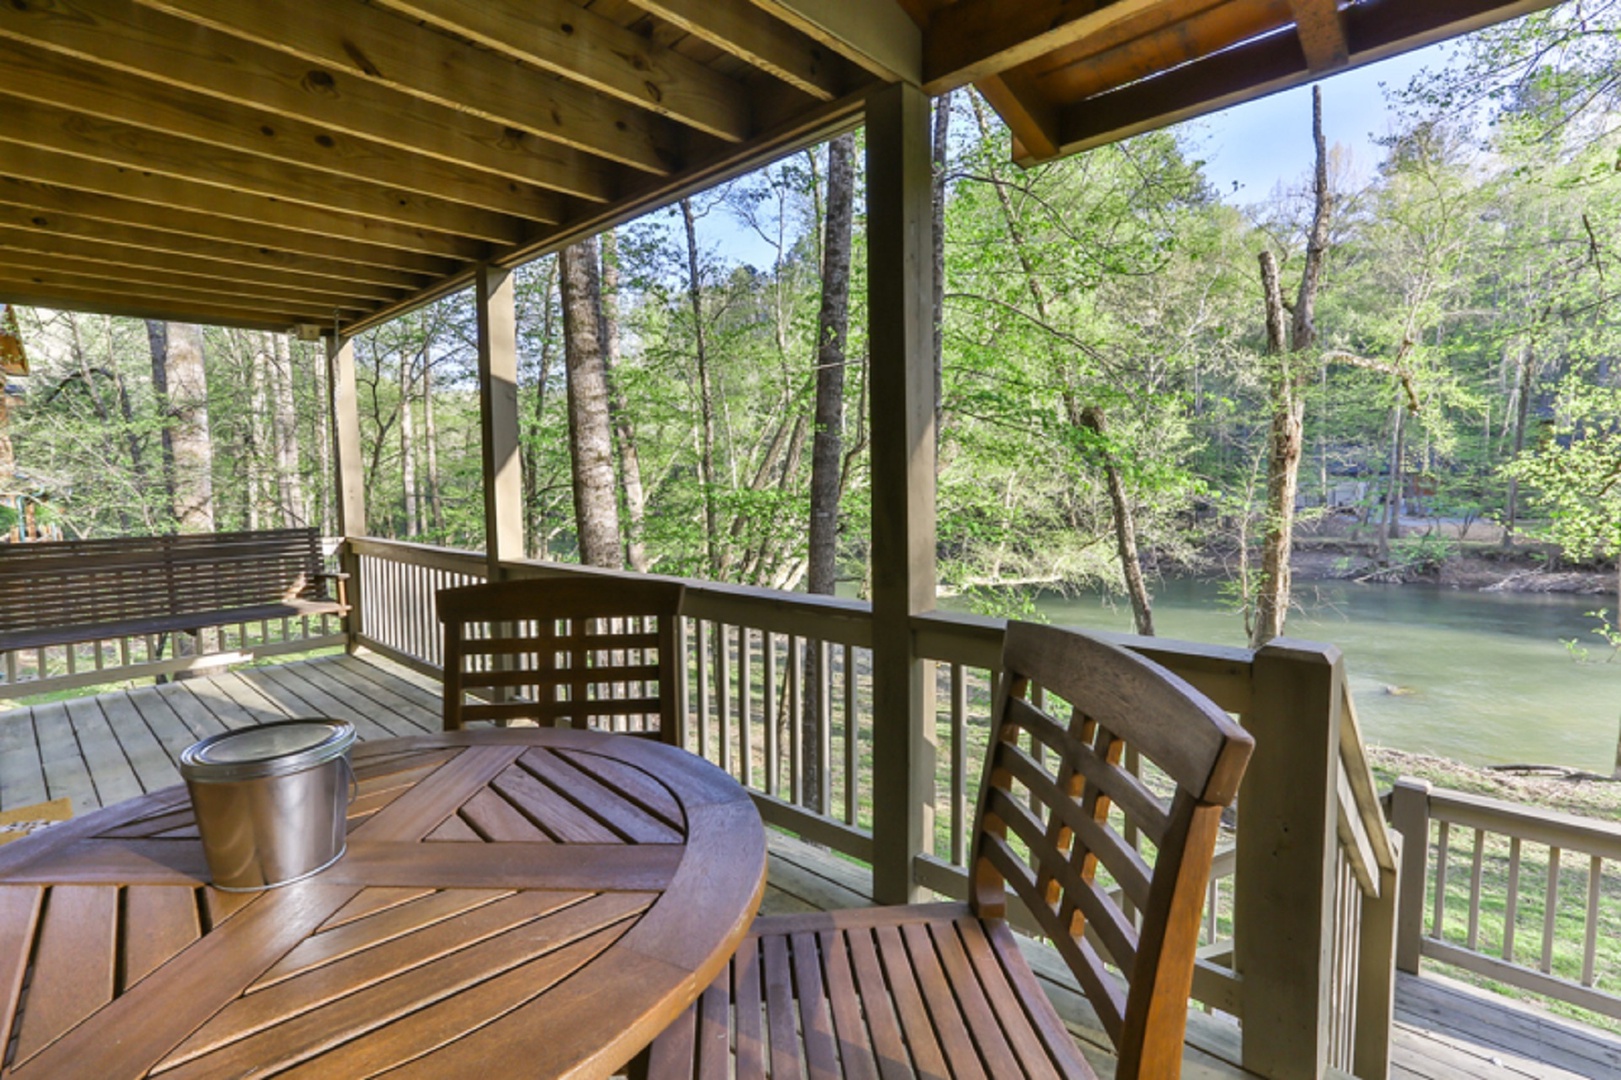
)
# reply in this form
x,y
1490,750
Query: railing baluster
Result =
x,y
852,739
768,712
745,706
796,747
684,689
1595,886
723,702
1474,888
1442,844
824,727
1512,904
1550,910
703,689
959,764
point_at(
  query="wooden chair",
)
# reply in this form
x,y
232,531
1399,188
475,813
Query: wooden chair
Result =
x,y
564,652
19,821
941,989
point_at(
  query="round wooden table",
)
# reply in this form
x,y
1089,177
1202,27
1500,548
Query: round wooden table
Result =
x,y
513,903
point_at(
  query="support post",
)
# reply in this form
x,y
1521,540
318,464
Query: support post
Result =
x,y
901,328
1283,917
1410,816
350,476
498,417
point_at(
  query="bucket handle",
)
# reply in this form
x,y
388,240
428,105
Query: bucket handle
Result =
x,y
354,781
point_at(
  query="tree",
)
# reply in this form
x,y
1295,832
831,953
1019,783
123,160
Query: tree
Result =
x,y
1290,369
596,508
186,386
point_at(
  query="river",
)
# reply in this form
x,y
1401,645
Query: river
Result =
x,y
1480,677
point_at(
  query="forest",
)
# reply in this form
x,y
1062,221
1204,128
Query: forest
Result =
x,y
1136,376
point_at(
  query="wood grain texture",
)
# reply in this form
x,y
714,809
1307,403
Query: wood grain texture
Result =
x,y
439,958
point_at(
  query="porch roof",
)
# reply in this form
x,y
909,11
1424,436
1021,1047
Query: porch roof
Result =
x,y
267,163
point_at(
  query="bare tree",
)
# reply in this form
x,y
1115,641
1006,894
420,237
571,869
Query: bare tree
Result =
x,y
630,467
187,386
1289,371
706,393
289,479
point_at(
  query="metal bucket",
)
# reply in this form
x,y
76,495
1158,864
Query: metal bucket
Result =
x,y
270,800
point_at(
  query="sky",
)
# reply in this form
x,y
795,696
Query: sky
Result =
x,y
1248,149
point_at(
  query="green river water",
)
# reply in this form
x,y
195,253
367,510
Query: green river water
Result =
x,y
1483,676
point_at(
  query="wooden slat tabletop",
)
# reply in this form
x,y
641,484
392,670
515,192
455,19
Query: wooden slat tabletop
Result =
x,y
521,902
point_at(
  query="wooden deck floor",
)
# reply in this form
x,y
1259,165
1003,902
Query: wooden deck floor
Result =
x,y
104,749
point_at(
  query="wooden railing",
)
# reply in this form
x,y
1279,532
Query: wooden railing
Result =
x,y
1300,936
1507,891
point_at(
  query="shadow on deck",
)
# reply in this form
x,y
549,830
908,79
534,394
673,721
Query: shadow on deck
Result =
x,y
115,746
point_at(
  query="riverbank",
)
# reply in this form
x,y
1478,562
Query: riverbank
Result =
x,y
1450,564
1586,797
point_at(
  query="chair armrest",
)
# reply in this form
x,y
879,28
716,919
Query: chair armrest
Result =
x,y
334,575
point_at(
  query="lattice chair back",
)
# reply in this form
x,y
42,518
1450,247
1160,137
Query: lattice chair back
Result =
x,y
575,652
1064,799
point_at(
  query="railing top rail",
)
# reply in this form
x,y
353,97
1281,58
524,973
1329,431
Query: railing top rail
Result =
x,y
1568,832
1359,774
442,558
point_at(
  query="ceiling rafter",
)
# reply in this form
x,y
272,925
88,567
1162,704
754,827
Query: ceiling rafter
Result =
x,y
152,45
362,40
876,35
96,219
227,178
29,294
1322,36
55,282
269,281
740,29
46,79
567,40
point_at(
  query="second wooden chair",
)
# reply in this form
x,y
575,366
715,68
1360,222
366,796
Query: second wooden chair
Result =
x,y
943,990
577,652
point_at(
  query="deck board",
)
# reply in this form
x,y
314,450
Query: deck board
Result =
x,y
118,744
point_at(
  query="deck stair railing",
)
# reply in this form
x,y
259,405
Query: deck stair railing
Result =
x,y
1301,929
1515,893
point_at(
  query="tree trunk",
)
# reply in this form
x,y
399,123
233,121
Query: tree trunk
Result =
x,y
536,530
1125,531
408,448
157,338
253,490
630,465
1522,417
1390,528
289,478
827,442
596,511
430,438
1290,372
706,394
324,418
188,409
942,148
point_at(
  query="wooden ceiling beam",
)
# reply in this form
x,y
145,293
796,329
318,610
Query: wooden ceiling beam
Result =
x,y
95,273
327,108
974,39
79,287
412,222
366,41
1034,123
738,28
876,35
1322,37
567,40
27,294
49,79
1375,30
242,261
233,277
84,189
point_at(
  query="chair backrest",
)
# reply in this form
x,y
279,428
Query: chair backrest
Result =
x,y
1063,798
597,653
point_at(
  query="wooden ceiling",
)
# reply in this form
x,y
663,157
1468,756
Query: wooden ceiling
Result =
x,y
266,163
